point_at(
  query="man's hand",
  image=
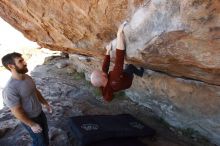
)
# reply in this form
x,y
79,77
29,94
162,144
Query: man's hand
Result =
x,y
121,28
48,107
36,128
108,48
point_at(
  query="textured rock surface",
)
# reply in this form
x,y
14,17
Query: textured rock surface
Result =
x,y
180,37
75,25
70,95
182,103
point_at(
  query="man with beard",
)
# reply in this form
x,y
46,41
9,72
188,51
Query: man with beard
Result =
x,y
24,99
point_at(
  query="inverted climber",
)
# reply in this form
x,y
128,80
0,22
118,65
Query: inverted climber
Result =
x,y
118,79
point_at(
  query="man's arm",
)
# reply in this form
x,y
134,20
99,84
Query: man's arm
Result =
x,y
120,52
43,101
40,97
108,95
106,62
12,100
120,37
19,113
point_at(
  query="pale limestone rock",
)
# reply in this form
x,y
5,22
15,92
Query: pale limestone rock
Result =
x,y
179,37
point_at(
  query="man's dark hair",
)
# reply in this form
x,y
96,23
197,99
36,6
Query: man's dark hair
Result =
x,y
9,59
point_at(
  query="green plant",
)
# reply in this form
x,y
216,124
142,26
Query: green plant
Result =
x,y
119,94
79,76
88,83
189,132
163,122
97,92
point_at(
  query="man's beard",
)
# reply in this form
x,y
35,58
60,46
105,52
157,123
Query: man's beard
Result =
x,y
21,70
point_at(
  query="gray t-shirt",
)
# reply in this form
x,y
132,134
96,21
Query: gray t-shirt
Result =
x,y
22,92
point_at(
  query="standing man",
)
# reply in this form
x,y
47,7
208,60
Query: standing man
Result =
x,y
24,99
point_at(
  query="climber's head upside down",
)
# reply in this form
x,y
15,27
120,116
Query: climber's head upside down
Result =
x,y
99,78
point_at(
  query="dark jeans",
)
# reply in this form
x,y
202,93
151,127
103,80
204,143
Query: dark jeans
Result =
x,y
39,139
130,69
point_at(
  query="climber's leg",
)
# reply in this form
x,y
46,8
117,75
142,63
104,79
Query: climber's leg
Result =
x,y
131,69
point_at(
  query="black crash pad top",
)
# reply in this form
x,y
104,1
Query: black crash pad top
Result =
x,y
92,128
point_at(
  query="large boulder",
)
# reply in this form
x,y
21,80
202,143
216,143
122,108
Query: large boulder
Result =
x,y
178,37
